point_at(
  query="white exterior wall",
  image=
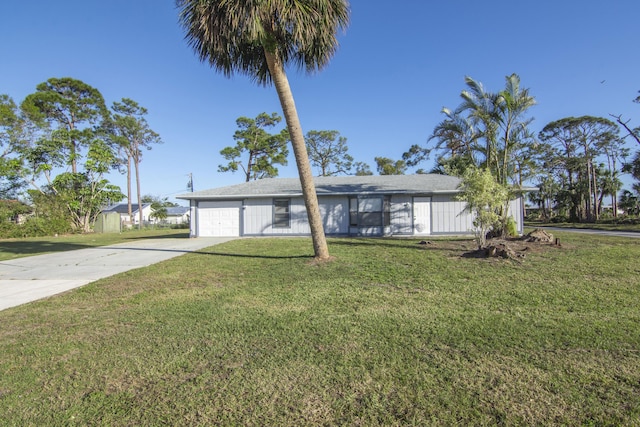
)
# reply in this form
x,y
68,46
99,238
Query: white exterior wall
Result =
x,y
515,210
146,216
258,217
335,214
449,216
401,215
177,219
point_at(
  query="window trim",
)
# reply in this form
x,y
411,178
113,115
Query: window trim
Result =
x,y
285,217
353,211
361,215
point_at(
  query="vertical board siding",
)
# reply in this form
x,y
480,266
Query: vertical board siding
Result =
x,y
401,218
449,216
258,217
515,210
335,214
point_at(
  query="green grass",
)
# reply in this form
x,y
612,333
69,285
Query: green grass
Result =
x,y
17,248
252,332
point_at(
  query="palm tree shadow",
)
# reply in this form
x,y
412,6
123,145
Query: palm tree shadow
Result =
x,y
184,235
232,255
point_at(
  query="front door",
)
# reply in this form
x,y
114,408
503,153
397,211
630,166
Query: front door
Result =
x,y
422,216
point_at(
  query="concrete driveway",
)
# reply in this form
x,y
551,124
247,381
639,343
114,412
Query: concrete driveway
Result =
x,y
28,279
631,234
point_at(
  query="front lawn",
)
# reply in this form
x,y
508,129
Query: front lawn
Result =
x,y
252,332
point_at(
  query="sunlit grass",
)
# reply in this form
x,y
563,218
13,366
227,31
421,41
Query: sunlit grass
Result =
x,y
252,332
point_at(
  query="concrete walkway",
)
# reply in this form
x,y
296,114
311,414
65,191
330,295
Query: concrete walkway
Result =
x,y
631,234
28,279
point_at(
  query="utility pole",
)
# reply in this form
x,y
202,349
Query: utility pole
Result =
x,y
190,183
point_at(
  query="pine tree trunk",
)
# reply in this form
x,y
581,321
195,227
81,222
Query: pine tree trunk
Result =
x,y
136,163
287,102
129,209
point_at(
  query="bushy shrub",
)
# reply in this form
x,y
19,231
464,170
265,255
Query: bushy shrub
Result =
x,y
559,219
181,226
511,227
34,227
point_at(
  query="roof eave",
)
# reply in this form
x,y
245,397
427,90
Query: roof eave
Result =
x,y
320,194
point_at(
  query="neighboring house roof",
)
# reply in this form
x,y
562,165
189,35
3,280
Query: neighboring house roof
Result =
x,y
425,184
123,208
176,210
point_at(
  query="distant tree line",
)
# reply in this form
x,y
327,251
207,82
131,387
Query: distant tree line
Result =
x,y
60,142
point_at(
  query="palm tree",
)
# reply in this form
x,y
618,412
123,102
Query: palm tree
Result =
x,y
456,135
514,104
484,115
258,38
501,116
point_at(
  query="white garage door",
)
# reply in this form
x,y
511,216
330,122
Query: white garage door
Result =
x,y
219,219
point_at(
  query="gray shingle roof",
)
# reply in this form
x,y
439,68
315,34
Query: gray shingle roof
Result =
x,y
122,208
422,184
177,210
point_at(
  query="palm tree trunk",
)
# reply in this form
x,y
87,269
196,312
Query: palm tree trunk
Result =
x,y
287,102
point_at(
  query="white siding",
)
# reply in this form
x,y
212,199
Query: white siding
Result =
x,y
258,217
449,216
335,214
401,215
515,210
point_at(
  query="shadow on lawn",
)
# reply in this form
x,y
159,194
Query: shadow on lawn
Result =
x,y
411,243
36,247
39,247
222,254
184,235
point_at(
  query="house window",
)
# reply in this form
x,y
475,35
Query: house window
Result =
x,y
370,212
281,213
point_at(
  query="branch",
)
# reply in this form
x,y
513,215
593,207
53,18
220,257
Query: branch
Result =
x,y
624,124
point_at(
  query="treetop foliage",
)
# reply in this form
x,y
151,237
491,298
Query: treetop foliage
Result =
x,y
62,140
298,32
260,149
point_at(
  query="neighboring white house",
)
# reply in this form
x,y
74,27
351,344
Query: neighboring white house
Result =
x,y
177,215
389,205
123,210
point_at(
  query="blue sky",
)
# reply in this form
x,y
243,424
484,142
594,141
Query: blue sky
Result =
x,y
394,71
